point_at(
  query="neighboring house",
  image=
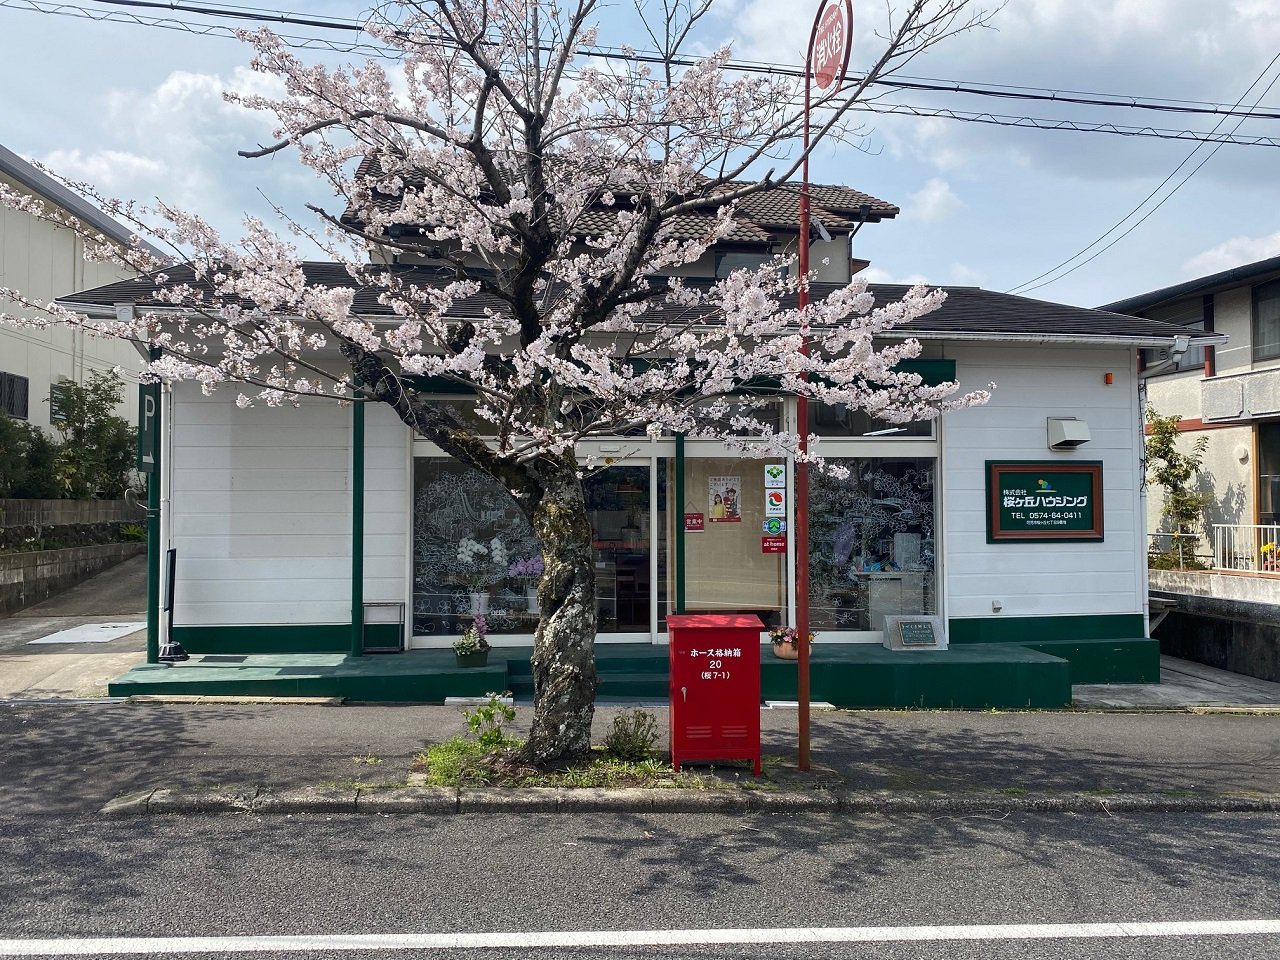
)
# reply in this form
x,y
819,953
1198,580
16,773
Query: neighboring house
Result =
x,y
46,262
1228,394
1016,522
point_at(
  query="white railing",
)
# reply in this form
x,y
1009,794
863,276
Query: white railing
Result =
x,y
1247,547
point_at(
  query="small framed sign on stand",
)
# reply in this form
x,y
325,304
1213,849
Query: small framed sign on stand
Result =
x,y
914,633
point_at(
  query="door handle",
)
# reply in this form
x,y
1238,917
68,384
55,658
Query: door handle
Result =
x,y
684,694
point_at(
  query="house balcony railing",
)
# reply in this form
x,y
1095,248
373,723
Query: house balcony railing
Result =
x,y
1246,547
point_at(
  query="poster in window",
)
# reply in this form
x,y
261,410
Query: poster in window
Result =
x,y
722,500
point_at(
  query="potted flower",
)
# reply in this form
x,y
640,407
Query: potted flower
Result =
x,y
786,642
1269,556
479,566
528,571
471,649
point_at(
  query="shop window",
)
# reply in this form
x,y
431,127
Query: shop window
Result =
x,y
1266,321
830,420
474,551
764,410
871,543
726,566
14,392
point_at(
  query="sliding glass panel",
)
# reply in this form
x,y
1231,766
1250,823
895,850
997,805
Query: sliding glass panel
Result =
x,y
726,567
618,501
871,543
474,552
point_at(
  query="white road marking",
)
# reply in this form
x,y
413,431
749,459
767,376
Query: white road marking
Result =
x,y
91,633
337,943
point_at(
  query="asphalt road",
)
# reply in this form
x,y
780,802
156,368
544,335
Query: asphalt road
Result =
x,y
228,875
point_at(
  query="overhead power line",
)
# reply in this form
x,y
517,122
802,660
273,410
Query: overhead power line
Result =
x,y
1076,126
1052,273
352,26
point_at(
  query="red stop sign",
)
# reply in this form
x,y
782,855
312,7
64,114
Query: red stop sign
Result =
x,y
829,48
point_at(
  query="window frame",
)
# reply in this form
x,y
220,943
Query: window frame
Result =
x,y
1274,353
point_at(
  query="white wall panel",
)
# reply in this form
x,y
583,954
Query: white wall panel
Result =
x,y
261,511
1042,579
386,506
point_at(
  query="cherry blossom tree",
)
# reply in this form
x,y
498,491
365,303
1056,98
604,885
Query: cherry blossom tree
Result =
x,y
551,194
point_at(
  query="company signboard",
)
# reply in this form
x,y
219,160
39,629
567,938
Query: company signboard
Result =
x,y
1036,501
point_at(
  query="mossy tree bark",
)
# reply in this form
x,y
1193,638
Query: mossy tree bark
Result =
x,y
564,671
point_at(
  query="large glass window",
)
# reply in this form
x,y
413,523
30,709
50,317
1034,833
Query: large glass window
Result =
x,y
830,420
474,551
871,543
1266,321
618,502
727,568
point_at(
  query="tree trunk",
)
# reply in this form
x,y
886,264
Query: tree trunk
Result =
x,y
564,662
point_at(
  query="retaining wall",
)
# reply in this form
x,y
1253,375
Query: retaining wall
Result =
x,y
53,513
27,578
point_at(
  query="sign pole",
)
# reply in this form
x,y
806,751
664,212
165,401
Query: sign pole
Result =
x,y
148,463
825,63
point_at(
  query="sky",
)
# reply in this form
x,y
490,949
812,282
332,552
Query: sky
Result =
x,y
138,111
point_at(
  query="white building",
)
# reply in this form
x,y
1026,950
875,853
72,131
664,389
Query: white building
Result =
x,y
46,262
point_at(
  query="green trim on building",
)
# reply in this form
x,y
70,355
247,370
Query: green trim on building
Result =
x,y
1111,626
357,524
679,511
293,638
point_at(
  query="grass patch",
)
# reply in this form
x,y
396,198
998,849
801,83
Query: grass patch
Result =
x,y
460,763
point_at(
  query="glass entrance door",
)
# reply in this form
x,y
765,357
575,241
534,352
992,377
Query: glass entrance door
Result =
x,y
726,566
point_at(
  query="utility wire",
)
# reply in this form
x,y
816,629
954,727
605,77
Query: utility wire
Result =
x,y
918,84
1027,287
1075,126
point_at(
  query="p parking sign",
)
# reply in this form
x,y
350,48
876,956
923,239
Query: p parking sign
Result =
x,y
148,426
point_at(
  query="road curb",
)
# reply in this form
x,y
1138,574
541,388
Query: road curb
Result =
x,y
551,800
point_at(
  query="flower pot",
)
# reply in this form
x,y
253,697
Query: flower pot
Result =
x,y
531,599
479,604
478,659
786,651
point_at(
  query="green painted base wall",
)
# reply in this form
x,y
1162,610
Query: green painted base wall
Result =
x,y
986,667
304,638
1008,678
1035,629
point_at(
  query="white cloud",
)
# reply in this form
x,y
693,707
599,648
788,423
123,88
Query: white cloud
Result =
x,y
879,275
933,202
177,142
112,171
961,275
1233,253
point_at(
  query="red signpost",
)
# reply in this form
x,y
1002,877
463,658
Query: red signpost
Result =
x,y
715,687
825,64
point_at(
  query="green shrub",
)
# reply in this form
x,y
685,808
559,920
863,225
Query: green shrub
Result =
x,y
486,722
133,533
633,735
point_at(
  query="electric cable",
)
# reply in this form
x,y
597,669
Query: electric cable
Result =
x,y
1027,286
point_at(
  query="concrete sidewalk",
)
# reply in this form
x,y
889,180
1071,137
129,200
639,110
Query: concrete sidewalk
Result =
x,y
66,756
75,758
75,670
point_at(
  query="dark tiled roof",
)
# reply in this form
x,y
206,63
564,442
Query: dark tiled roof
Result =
x,y
967,312
1247,273
758,215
